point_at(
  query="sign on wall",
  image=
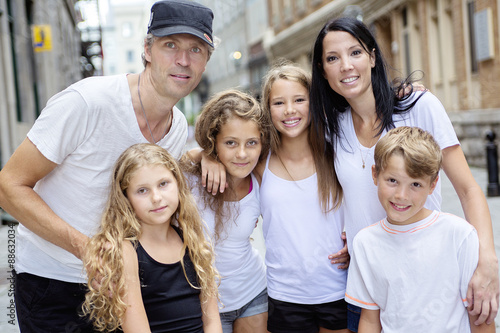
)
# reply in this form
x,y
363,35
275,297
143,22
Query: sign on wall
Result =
x,y
42,38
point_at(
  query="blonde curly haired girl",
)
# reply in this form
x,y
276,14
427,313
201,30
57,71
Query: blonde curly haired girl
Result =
x,y
154,267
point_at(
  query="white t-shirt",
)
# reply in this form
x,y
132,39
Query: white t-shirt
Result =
x,y
83,129
362,206
243,274
416,274
299,238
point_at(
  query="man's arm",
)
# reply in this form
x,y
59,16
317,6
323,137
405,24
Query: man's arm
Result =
x,y
17,179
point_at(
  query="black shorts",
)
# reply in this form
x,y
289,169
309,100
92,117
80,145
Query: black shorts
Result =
x,y
284,317
48,305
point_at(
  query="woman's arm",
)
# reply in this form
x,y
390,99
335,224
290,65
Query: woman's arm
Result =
x,y
483,292
135,319
211,317
369,321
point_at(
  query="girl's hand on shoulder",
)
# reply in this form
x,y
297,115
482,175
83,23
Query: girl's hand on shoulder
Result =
x,y
342,257
213,174
410,88
417,86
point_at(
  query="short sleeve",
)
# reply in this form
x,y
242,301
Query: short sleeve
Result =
x,y
357,292
430,115
61,127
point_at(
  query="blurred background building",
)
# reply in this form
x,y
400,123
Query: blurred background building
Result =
x,y
46,45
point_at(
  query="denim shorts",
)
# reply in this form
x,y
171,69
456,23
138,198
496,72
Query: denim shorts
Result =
x,y
353,315
256,306
48,305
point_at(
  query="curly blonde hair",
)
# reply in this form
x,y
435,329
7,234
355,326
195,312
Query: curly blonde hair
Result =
x,y
216,112
104,252
329,188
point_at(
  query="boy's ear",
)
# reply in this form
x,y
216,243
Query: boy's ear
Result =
x,y
433,185
374,175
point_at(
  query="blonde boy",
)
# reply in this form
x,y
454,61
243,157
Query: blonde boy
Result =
x,y
409,272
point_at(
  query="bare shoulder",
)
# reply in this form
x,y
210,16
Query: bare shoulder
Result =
x,y
130,261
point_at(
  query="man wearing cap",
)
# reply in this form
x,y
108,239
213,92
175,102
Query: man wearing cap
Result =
x,y
56,182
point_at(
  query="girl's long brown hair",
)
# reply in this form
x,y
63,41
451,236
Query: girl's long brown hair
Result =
x,y
216,112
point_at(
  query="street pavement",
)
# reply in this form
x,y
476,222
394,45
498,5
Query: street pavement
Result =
x,y
451,204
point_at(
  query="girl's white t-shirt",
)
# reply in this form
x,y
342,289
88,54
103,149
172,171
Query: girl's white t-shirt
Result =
x,y
299,237
242,270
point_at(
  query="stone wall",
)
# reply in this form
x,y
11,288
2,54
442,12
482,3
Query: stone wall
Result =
x,y
471,127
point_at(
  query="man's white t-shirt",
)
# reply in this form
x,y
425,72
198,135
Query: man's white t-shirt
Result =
x,y
83,129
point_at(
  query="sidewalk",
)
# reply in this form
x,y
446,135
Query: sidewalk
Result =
x,y
450,204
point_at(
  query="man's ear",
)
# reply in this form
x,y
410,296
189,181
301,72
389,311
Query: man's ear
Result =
x,y
147,52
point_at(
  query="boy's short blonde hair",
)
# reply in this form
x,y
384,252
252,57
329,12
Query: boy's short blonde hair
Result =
x,y
419,149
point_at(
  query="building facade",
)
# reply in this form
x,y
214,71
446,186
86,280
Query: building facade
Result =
x,y
124,28
239,60
454,44
40,55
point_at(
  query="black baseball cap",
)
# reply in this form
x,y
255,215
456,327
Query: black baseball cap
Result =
x,y
169,17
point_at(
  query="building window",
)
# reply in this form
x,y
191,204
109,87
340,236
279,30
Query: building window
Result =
x,y
275,14
130,56
301,6
472,40
127,29
406,41
287,11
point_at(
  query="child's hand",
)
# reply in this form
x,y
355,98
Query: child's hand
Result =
x,y
341,257
213,173
409,88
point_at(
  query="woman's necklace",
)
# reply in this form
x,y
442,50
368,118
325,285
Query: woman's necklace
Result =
x,y
372,143
361,153
144,112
